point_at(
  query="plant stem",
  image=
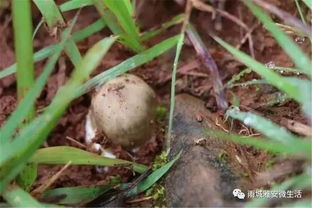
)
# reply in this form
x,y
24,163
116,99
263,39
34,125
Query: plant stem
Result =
x,y
22,24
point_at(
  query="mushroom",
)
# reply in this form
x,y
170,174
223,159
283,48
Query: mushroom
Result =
x,y
123,109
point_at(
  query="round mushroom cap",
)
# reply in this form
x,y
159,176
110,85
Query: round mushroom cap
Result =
x,y
123,109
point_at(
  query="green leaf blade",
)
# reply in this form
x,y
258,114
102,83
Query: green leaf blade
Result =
x,y
27,142
77,195
65,154
294,52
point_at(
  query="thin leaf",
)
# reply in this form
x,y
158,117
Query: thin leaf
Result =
x,y
153,178
27,176
210,64
308,3
273,78
23,50
129,64
50,12
46,52
26,104
175,20
237,77
173,83
17,197
294,52
72,51
64,154
89,30
298,148
305,92
54,18
300,11
75,4
78,194
264,126
120,22
25,144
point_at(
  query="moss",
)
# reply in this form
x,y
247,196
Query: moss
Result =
x,y
160,160
158,193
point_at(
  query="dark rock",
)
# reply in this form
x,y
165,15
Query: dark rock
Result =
x,y
200,178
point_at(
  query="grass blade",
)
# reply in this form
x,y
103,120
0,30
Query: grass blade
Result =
x,y
273,78
264,126
210,64
89,30
120,22
175,20
129,64
17,197
72,51
297,56
305,92
50,12
173,83
300,11
64,154
26,104
22,23
75,4
153,178
46,52
308,3
301,148
77,195
27,142
54,18
27,176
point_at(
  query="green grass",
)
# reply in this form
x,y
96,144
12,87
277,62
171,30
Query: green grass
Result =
x,y
64,154
54,19
300,59
14,161
21,153
277,139
26,104
27,142
173,83
300,11
118,15
77,195
23,50
17,197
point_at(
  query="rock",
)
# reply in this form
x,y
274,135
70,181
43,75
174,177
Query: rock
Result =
x,y
200,178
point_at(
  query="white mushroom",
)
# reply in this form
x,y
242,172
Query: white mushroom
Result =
x,y
123,109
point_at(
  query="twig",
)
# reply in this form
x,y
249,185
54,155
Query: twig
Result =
x,y
46,185
76,142
285,17
297,127
247,36
139,200
198,4
210,64
195,74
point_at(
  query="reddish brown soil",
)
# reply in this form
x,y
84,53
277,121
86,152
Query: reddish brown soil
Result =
x,y
193,78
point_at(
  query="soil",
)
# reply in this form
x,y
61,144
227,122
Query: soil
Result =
x,y
193,78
